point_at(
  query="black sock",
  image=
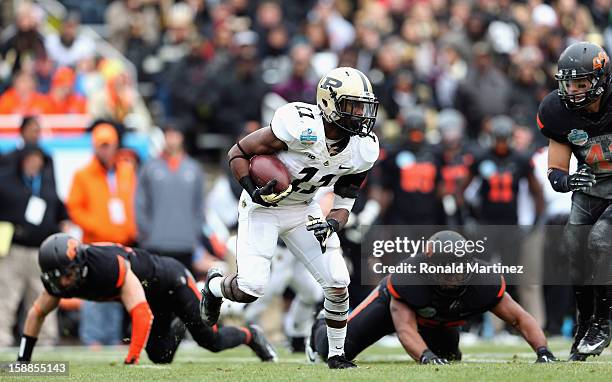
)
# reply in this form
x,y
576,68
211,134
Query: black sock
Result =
x,y
584,302
602,301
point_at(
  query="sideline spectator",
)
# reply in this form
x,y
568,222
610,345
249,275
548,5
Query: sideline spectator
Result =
x,y
70,46
62,98
300,85
23,98
29,202
23,43
169,201
100,201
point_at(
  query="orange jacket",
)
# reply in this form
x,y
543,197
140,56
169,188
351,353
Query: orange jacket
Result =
x,y
11,103
73,104
89,197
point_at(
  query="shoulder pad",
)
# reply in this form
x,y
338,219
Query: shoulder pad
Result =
x,y
290,127
368,152
488,288
413,293
553,118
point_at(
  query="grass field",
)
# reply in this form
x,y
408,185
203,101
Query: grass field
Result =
x,y
482,362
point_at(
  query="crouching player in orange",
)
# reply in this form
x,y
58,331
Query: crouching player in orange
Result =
x,y
158,292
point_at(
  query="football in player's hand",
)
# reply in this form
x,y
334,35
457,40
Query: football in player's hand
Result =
x,y
264,168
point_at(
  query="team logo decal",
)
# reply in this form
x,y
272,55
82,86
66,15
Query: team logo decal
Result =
x,y
578,137
307,137
71,252
427,312
600,61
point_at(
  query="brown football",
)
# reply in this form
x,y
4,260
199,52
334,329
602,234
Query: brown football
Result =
x,y
264,168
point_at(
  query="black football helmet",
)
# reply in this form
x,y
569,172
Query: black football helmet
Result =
x,y
583,60
414,124
447,248
62,255
502,128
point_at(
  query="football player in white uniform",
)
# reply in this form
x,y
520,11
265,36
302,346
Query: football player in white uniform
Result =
x,y
327,144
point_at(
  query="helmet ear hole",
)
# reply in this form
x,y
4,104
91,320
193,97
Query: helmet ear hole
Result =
x,y
324,102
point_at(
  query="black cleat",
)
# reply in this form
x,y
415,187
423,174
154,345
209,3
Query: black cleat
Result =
x,y
339,362
596,339
581,330
311,353
577,357
261,346
210,306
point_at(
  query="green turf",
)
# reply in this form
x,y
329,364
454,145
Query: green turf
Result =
x,y
483,362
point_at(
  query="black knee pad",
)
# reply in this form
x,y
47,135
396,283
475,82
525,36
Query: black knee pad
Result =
x,y
230,289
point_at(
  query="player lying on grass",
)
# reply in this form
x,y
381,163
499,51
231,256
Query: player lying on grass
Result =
x,y
426,313
155,291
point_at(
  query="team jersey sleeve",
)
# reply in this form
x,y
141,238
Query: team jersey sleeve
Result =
x,y
289,126
547,119
489,295
526,166
473,167
107,270
410,292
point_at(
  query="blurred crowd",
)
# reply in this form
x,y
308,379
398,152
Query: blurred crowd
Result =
x,y
459,84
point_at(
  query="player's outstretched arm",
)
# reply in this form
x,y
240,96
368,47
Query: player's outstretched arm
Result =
x,y
135,302
44,304
404,320
513,314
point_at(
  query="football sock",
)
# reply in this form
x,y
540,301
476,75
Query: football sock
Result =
x,y
584,301
335,338
215,286
602,302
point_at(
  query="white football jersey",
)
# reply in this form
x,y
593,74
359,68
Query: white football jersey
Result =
x,y
300,126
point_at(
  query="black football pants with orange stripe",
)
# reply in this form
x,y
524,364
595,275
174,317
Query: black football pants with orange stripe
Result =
x,y
181,299
371,321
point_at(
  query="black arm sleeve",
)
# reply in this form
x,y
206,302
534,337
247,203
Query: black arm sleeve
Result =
x,y
348,185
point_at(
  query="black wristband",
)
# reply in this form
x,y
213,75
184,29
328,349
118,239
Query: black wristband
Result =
x,y
558,180
247,183
26,348
334,224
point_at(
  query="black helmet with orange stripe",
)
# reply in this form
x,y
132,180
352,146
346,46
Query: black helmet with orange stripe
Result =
x,y
583,74
62,263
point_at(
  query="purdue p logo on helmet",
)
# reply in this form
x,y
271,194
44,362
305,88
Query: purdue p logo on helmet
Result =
x,y
346,99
